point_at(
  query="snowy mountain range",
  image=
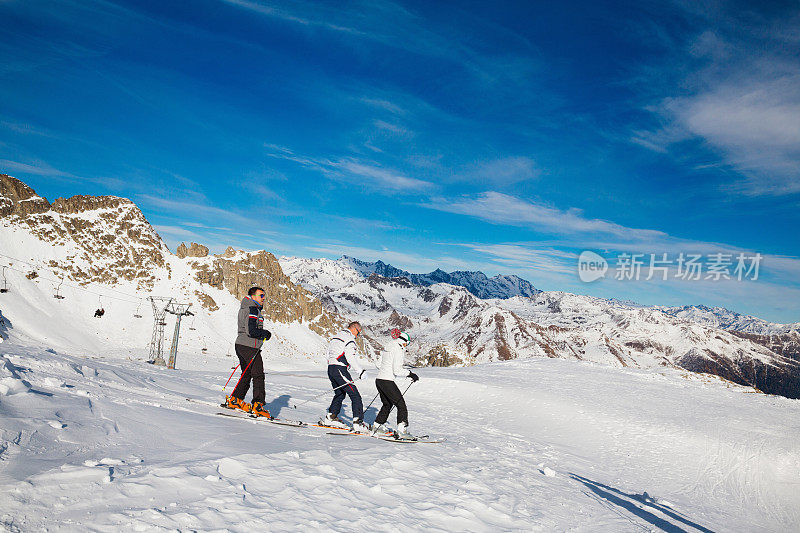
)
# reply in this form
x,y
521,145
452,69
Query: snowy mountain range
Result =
x,y
477,283
719,317
101,252
451,325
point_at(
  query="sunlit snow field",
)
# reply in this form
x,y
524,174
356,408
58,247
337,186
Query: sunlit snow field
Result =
x,y
109,444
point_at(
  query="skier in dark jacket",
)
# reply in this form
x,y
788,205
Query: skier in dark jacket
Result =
x,y
248,348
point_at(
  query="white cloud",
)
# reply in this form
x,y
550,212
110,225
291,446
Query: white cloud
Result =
x,y
738,92
358,172
504,171
36,168
529,257
499,208
382,178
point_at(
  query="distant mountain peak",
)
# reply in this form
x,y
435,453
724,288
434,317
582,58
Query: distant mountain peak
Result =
x,y
476,282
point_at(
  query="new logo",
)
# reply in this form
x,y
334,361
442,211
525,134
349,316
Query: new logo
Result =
x,y
591,266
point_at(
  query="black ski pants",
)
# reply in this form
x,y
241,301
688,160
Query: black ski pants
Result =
x,y
255,372
343,383
390,396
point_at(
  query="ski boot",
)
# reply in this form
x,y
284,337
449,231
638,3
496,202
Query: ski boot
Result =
x,y
232,402
258,410
332,422
402,432
360,427
381,430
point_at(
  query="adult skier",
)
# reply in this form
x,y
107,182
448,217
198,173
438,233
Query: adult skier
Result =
x,y
248,349
343,356
392,367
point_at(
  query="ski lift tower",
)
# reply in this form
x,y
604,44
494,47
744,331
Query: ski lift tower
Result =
x,y
180,311
159,304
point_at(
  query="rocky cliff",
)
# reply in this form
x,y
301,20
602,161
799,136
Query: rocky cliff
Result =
x,y
105,238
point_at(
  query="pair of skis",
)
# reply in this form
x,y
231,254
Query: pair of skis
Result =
x,y
422,439
234,413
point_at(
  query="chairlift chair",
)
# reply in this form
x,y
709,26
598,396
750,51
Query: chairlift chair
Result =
x,y
136,313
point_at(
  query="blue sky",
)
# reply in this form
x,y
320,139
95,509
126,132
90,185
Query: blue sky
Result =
x,y
501,137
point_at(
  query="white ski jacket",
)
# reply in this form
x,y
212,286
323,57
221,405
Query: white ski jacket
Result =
x,y
392,361
343,351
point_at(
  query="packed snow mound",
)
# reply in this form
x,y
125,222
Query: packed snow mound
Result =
x,y
10,380
105,443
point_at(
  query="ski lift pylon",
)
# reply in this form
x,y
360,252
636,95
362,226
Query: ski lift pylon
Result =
x,y
5,282
58,295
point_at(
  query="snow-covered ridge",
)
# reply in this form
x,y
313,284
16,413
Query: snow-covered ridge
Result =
x,y
499,286
719,317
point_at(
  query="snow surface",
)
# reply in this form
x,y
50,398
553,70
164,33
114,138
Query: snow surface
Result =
x,y
99,442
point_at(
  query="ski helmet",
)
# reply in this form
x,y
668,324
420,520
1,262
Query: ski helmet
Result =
x,y
395,333
405,337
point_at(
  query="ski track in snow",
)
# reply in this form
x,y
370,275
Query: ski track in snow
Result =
x,y
540,445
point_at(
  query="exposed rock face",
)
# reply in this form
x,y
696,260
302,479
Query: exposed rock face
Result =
x,y
194,250
18,199
109,236
779,376
785,344
237,271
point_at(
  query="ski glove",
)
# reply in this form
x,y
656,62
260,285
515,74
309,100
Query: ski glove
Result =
x,y
413,376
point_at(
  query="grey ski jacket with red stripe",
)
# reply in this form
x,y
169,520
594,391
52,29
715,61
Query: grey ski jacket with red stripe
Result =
x,y
251,324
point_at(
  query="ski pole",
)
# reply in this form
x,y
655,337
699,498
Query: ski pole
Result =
x,y
229,379
323,393
370,403
243,372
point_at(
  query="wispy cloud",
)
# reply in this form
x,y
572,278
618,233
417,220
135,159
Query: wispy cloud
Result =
x,y
499,208
396,26
35,168
503,171
740,98
357,171
178,232
194,209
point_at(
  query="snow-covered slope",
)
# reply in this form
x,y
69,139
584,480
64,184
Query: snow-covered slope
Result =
x,y
105,444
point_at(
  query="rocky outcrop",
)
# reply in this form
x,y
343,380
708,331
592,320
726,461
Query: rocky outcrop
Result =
x,y
109,236
237,271
18,199
779,376
194,250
